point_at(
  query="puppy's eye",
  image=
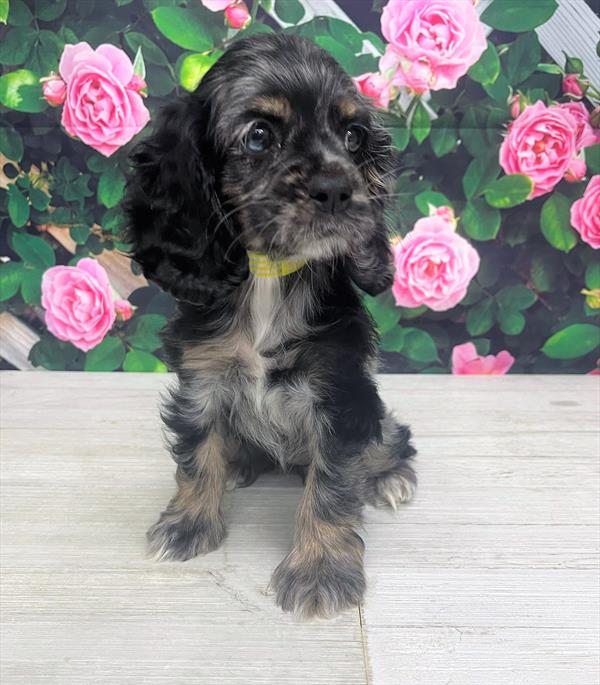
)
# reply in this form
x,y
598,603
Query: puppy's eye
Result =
x,y
259,138
354,138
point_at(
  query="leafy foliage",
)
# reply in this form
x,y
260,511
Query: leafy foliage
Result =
x,y
526,296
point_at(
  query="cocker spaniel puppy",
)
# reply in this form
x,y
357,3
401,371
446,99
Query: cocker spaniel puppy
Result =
x,y
258,203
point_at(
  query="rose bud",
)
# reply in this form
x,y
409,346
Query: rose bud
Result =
x,y
576,171
573,86
237,15
124,310
54,90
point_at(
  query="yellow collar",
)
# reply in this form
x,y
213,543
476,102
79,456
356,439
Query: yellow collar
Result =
x,y
262,266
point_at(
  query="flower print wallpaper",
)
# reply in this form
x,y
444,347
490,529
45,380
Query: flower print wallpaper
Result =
x,y
494,211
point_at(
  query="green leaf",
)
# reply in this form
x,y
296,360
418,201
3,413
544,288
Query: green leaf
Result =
x,y
400,137
550,69
573,341
480,221
182,27
592,159
383,310
194,67
33,250
393,340
17,44
111,187
31,286
345,33
39,199
420,124
160,81
3,11
508,191
573,65
499,90
592,275
98,163
419,346
289,11
518,16
473,132
516,297
49,10
487,69
480,317
53,354
523,57
145,331
511,322
555,220
443,135
21,90
19,14
80,234
138,360
430,197
18,207
11,274
481,171
152,53
545,270
375,40
107,356
344,56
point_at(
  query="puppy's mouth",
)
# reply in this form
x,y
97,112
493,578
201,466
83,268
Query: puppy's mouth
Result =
x,y
298,232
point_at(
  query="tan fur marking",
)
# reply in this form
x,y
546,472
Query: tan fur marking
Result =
x,y
273,106
203,496
346,107
316,538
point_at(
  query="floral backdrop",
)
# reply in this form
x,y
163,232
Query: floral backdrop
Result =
x,y
494,216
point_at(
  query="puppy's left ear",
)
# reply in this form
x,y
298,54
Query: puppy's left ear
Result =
x,y
370,266
175,221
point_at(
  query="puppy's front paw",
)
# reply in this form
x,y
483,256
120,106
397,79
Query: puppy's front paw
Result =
x,y
375,282
319,587
178,538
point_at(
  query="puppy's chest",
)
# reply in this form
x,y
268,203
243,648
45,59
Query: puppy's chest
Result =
x,y
239,373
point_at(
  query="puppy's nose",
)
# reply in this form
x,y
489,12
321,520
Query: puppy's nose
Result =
x,y
331,192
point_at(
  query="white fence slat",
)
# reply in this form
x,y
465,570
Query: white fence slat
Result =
x,y
16,339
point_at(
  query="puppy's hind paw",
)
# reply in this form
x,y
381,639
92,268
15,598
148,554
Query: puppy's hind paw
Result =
x,y
179,538
393,489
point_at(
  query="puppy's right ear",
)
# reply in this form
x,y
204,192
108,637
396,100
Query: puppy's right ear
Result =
x,y
175,222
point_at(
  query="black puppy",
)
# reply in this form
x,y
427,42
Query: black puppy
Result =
x,y
258,203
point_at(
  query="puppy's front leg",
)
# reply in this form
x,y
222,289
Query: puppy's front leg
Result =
x,y
193,522
370,266
323,574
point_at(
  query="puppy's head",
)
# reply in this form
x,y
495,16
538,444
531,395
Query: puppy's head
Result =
x,y
275,152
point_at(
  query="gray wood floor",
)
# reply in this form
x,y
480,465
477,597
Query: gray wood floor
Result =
x,y
490,577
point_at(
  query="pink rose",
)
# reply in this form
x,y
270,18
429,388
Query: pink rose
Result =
x,y
216,5
237,15
466,361
585,214
78,303
434,41
576,171
124,309
446,213
585,135
54,90
103,106
434,266
375,86
572,86
541,144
